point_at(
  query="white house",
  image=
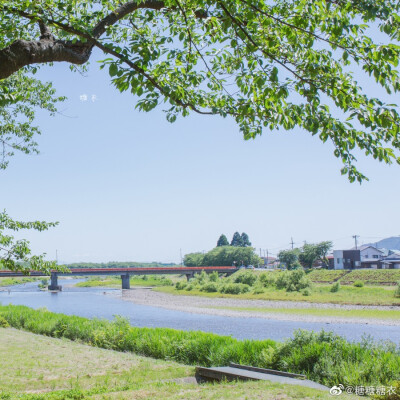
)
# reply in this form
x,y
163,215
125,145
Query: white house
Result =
x,y
362,257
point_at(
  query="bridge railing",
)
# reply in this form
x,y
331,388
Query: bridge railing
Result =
x,y
124,272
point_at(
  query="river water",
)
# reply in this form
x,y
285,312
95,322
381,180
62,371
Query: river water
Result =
x,y
106,303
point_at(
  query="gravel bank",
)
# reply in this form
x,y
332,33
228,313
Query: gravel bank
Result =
x,y
201,305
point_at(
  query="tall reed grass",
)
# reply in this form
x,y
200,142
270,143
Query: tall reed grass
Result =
x,y
324,357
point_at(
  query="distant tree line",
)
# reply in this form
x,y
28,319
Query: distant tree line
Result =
x,y
117,264
305,256
223,256
238,240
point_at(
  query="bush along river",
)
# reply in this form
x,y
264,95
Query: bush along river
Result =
x,y
107,303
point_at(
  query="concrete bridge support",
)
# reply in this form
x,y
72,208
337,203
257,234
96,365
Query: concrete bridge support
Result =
x,y
54,282
125,281
189,276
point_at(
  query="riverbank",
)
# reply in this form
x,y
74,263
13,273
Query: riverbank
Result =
x,y
4,282
73,370
140,280
281,310
323,357
319,293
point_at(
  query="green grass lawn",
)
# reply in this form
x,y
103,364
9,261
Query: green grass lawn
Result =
x,y
36,367
348,277
367,295
17,281
372,276
114,282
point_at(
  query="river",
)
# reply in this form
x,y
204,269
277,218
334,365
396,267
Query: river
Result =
x,y
106,303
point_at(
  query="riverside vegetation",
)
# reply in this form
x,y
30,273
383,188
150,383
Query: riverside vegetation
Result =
x,y
17,281
76,371
138,280
323,357
292,285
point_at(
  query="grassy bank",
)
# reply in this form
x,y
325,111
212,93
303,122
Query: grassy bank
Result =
x,y
323,357
348,277
71,370
320,294
115,282
17,281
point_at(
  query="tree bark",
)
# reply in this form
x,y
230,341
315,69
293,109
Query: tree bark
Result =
x,y
22,53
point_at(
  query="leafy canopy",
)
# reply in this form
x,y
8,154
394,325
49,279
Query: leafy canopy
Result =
x,y
20,96
223,255
306,255
15,254
267,64
222,241
237,240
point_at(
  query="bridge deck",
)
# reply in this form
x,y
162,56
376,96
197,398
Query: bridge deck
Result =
x,y
123,271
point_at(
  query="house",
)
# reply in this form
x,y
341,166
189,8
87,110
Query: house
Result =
x,y
363,257
268,261
392,261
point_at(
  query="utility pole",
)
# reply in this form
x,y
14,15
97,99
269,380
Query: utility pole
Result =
x,y
355,239
56,257
260,252
267,258
180,252
292,243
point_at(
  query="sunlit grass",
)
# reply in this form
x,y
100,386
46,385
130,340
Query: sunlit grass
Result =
x,y
37,367
17,281
367,295
113,282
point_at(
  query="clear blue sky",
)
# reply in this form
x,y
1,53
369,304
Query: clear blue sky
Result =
x,y
129,186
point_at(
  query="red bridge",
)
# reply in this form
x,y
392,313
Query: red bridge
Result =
x,y
124,272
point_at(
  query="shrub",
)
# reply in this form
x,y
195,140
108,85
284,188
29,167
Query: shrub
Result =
x,y
397,291
43,283
3,322
266,279
180,285
392,395
213,277
293,281
189,287
209,287
358,284
201,278
327,357
335,287
246,277
258,289
306,292
235,288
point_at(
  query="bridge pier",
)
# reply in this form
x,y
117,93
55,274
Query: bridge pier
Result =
x,y
189,276
126,284
54,282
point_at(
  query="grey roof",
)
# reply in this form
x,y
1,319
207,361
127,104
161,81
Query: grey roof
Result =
x,y
392,257
365,246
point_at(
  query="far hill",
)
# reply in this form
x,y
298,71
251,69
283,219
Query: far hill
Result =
x,y
392,243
